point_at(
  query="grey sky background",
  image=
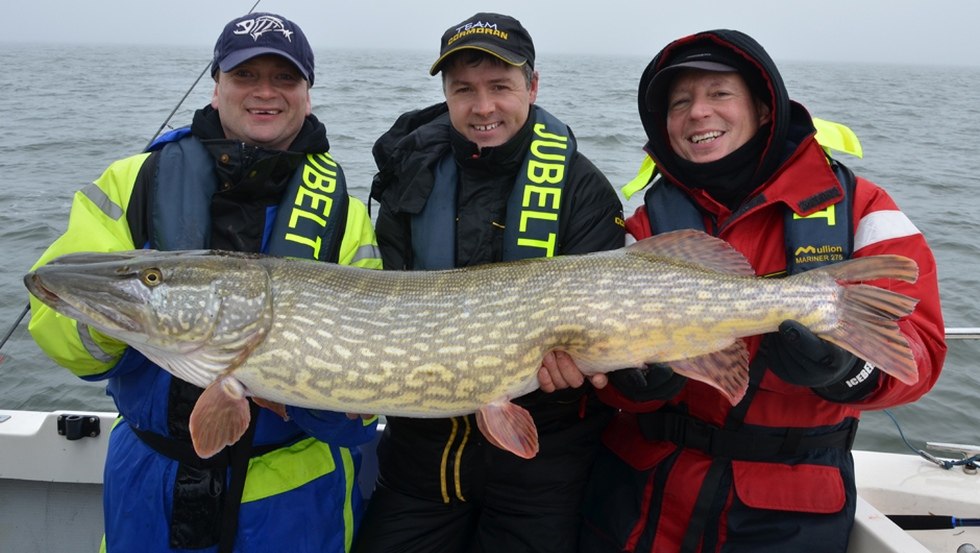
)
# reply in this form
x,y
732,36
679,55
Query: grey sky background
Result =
x,y
936,32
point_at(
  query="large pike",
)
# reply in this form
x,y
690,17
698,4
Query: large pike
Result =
x,y
447,343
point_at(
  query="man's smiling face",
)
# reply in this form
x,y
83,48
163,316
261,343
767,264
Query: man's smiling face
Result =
x,y
488,102
711,114
262,102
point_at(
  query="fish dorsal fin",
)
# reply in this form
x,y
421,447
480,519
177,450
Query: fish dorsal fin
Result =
x,y
696,248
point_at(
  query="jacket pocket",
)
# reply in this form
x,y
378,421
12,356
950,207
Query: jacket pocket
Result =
x,y
802,488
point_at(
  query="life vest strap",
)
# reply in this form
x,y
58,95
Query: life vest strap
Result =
x,y
742,445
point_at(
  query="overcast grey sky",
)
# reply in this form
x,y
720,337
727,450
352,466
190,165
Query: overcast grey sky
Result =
x,y
899,31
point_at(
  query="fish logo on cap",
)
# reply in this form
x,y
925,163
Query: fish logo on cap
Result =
x,y
261,25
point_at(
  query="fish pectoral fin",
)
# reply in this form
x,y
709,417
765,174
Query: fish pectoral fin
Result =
x,y
219,418
726,369
509,427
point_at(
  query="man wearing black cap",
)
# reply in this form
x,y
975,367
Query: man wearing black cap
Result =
x,y
683,470
484,177
252,173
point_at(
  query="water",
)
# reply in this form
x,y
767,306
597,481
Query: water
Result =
x,y
67,112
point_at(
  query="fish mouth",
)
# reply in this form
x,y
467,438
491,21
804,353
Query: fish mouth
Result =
x,y
37,289
110,317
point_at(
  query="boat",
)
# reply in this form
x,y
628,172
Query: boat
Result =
x,y
896,490
51,469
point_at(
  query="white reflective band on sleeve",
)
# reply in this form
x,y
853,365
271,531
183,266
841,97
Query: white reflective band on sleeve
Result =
x,y
882,225
366,251
91,347
103,202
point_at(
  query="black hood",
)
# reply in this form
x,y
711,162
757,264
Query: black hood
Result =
x,y
762,77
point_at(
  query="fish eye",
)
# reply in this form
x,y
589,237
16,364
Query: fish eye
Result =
x,y
151,277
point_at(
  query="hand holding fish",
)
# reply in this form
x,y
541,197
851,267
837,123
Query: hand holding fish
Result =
x,y
559,371
806,360
654,382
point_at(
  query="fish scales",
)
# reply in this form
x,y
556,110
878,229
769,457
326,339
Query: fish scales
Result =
x,y
479,345
446,343
467,326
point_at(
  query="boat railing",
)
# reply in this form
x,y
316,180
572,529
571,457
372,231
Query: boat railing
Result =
x,y
963,333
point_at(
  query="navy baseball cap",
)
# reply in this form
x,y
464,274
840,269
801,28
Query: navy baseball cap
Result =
x,y
256,34
499,35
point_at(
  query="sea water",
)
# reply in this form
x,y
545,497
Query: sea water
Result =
x,y
68,111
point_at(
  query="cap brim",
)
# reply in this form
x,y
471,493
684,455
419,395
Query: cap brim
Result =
x,y
239,57
661,79
492,49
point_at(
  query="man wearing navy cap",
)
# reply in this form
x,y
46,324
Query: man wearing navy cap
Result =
x,y
484,177
251,173
254,50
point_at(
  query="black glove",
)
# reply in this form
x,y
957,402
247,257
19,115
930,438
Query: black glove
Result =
x,y
653,382
800,357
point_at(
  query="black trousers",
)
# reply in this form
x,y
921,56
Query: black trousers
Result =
x,y
493,501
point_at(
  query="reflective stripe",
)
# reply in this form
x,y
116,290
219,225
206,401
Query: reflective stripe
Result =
x,y
91,347
286,469
348,463
882,225
366,251
102,201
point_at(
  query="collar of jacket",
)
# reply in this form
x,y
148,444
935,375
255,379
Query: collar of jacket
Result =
x,y
503,159
406,176
312,137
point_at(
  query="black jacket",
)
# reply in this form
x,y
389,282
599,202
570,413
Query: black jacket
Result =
x,y
591,212
590,219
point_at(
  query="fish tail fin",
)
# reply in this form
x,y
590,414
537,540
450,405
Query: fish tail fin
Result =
x,y
869,315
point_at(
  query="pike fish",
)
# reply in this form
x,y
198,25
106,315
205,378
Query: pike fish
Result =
x,y
454,342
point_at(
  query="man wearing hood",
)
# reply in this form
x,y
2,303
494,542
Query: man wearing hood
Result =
x,y
682,469
252,173
487,176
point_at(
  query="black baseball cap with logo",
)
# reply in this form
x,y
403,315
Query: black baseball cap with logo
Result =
x,y
499,35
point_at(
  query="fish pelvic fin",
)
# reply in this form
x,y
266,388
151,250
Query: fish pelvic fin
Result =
x,y
694,247
273,406
220,417
509,427
727,370
869,315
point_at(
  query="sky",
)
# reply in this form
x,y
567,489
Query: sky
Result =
x,y
865,31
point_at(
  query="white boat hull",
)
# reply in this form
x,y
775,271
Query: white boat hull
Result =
x,y
57,486
897,484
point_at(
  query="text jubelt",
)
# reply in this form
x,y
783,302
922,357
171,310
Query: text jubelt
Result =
x,y
308,223
533,207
